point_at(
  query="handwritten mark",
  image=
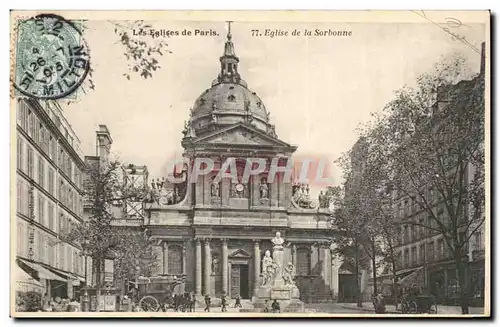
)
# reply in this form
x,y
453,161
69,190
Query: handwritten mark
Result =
x,y
452,23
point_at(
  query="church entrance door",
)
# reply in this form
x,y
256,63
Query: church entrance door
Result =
x,y
239,281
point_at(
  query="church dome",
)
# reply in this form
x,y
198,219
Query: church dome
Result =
x,y
230,98
228,101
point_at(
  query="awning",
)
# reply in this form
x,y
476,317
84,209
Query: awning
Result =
x,y
416,277
24,282
42,272
68,275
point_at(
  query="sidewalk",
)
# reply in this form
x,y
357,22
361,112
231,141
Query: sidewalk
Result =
x,y
391,309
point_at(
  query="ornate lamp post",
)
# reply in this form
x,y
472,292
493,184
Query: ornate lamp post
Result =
x,y
86,298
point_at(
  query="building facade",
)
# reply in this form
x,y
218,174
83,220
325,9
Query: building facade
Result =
x,y
49,185
423,255
217,232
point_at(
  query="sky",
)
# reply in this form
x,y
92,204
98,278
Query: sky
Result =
x,y
317,89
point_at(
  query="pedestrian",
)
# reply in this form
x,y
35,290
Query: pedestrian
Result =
x,y
237,302
266,307
176,302
207,303
276,306
223,303
192,302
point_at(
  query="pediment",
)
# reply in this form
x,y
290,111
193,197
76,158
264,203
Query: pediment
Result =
x,y
240,253
240,135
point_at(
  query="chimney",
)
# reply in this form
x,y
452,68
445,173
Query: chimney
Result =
x,y
483,55
103,143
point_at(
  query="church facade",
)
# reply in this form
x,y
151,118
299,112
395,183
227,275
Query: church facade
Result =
x,y
216,231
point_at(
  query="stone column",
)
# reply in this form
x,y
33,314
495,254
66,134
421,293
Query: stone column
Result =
x,y
256,256
208,267
198,267
326,263
294,258
165,257
336,262
184,272
224,266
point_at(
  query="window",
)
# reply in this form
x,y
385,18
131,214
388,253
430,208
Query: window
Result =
x,y
406,237
231,98
414,256
407,258
175,260
36,136
53,149
70,197
52,252
31,124
20,154
421,228
478,242
51,215
399,259
430,252
41,172
413,232
30,162
19,196
441,249
27,199
51,181
62,255
61,223
43,252
42,136
421,254
20,113
41,210
303,261
60,159
61,189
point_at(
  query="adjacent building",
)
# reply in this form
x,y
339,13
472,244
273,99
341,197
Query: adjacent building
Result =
x,y
423,254
49,186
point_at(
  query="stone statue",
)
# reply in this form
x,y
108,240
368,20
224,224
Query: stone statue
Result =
x,y
263,189
185,131
278,240
268,268
288,274
278,255
214,118
215,188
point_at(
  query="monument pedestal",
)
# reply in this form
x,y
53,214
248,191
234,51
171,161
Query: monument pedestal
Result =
x,y
288,296
277,282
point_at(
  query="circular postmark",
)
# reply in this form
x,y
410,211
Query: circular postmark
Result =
x,y
52,59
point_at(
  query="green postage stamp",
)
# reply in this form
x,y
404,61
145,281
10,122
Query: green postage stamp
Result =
x,y
52,59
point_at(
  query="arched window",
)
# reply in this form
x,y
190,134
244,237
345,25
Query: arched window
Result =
x,y
303,261
175,260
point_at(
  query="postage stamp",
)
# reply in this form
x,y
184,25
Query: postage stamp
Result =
x,y
52,59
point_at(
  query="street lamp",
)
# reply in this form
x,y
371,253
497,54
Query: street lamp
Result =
x,y
86,300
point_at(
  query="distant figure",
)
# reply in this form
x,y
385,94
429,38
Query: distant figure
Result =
x,y
276,307
192,302
266,306
207,303
223,303
237,303
378,302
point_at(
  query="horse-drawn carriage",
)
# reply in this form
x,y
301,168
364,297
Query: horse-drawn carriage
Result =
x,y
418,304
155,293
